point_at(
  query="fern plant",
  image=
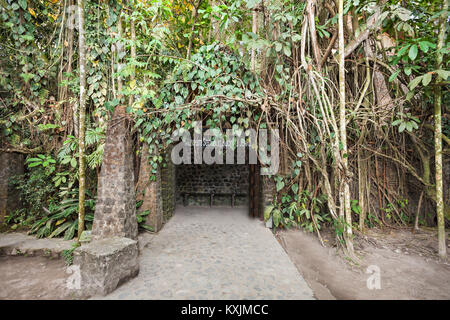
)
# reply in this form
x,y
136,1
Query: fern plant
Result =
x,y
62,217
95,137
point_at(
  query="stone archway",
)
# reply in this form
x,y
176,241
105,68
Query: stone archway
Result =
x,y
159,189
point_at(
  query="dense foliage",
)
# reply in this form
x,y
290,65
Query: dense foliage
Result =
x,y
258,64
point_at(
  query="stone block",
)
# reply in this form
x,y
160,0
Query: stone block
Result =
x,y
105,264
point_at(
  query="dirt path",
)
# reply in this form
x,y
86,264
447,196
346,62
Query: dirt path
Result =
x,y
408,267
23,278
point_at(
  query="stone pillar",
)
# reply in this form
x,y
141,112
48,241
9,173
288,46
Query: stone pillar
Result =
x,y
149,192
115,212
10,164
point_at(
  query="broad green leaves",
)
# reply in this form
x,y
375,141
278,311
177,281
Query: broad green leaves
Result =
x,y
23,4
213,85
406,121
426,45
279,183
413,52
426,78
267,212
277,217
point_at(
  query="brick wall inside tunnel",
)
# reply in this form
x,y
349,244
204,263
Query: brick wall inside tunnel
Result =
x,y
200,180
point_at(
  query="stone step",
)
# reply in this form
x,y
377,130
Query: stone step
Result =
x,y
19,243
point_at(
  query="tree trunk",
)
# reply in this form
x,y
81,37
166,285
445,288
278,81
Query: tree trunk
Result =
x,y
312,28
438,135
254,30
119,46
194,20
133,57
82,112
344,188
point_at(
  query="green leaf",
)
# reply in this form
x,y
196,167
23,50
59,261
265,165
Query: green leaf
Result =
x,y
68,235
276,216
280,185
403,13
426,79
60,229
73,162
413,52
402,127
278,46
179,100
295,188
34,164
409,126
394,75
424,46
414,82
287,50
23,4
444,74
267,212
28,37
66,160
403,50
147,227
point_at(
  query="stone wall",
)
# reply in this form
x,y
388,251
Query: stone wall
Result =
x,y
158,195
11,164
168,188
206,179
149,192
267,192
